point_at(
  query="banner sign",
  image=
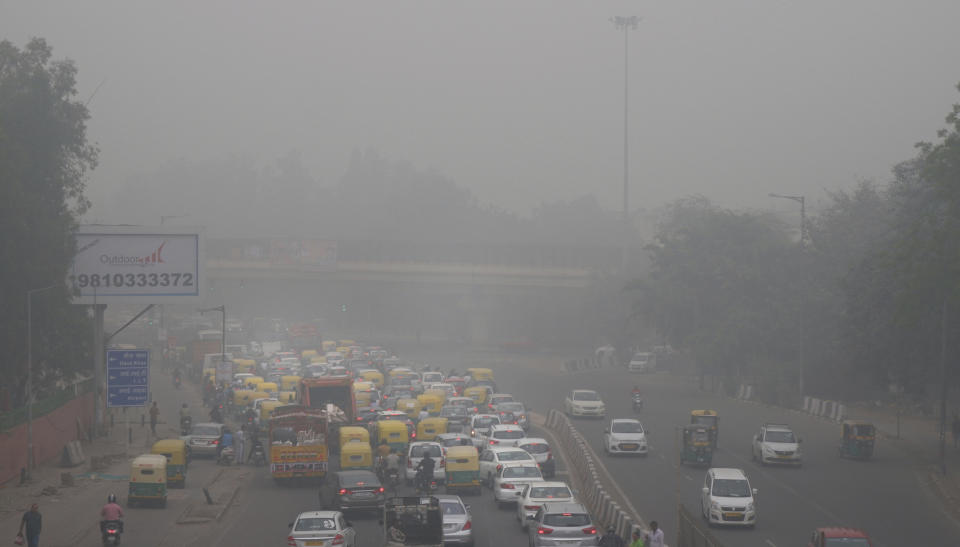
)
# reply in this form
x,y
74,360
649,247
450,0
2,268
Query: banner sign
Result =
x,y
128,377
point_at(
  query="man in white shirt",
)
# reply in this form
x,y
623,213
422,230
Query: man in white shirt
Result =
x,y
654,536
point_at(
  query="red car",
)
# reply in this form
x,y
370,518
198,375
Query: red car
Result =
x,y
839,537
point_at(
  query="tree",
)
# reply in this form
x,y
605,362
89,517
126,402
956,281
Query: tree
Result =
x,y
44,158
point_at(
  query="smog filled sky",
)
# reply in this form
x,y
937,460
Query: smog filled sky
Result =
x,y
518,101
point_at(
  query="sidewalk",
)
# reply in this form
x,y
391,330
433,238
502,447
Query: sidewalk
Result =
x,y
72,512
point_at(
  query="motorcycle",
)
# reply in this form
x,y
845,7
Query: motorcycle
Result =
x,y
257,455
176,382
227,456
186,424
111,532
637,402
393,478
425,485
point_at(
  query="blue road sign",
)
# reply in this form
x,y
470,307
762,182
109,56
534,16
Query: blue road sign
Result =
x,y
128,377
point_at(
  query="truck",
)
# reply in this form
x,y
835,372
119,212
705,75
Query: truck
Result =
x,y
206,342
298,443
334,395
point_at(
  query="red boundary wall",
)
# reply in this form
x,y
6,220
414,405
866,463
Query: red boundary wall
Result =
x,y
51,433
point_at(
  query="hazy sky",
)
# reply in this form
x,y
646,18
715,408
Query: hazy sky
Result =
x,y
518,100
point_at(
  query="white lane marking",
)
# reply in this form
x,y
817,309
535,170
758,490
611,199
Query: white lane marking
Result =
x,y
770,543
688,477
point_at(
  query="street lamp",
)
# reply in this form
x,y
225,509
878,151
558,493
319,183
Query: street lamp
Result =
x,y
803,214
30,294
626,24
803,243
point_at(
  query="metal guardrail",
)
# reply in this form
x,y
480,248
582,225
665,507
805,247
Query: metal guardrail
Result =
x,y
691,531
46,405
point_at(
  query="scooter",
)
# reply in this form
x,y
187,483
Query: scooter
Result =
x,y
111,532
637,403
257,456
226,456
186,424
393,478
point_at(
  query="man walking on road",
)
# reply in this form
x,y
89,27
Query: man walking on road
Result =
x,y
32,522
154,416
655,535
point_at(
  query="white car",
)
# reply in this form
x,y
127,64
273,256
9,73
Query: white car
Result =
x,y
495,399
727,499
625,436
493,458
511,478
642,362
446,388
776,444
415,453
539,448
536,494
322,528
584,402
505,435
480,428
432,377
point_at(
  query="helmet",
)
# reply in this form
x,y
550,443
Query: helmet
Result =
x,y
112,498
611,529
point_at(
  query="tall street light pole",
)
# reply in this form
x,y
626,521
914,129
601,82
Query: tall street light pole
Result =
x,y
30,294
626,23
803,245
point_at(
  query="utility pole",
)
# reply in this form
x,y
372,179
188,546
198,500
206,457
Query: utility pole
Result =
x,y
803,245
943,388
626,24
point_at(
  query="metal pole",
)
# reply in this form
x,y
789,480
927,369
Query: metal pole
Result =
x,y
98,364
626,148
943,388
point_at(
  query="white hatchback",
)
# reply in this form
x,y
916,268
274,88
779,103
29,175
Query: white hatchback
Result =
x,y
625,436
510,480
536,494
727,499
492,459
584,402
417,451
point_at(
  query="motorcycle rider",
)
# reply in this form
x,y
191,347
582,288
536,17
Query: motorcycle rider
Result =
x,y
225,440
111,512
216,415
611,539
425,471
185,417
635,391
392,463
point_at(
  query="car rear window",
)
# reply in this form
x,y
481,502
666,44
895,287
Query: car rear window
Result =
x,y
315,524
550,492
452,508
510,407
514,456
521,472
536,448
419,450
206,430
360,480
566,519
509,434
485,422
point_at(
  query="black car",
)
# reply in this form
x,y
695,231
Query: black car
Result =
x,y
359,489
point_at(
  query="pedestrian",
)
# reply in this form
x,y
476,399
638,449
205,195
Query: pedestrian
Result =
x,y
955,427
240,436
611,539
31,524
154,416
637,539
654,538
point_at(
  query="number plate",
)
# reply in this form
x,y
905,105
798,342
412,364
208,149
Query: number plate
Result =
x,y
628,446
732,515
362,495
315,542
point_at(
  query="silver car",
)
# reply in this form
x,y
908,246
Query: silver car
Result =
x,y
457,522
321,528
564,523
204,438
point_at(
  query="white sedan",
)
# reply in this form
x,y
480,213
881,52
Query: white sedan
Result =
x,y
494,457
625,436
511,478
323,528
538,493
584,402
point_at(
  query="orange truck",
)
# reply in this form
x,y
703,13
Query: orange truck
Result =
x,y
298,443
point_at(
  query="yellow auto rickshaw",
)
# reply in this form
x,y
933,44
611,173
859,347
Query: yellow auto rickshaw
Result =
x,y
328,345
266,410
477,374
710,420
395,372
375,377
478,394
243,397
410,406
244,365
318,360
253,382
356,455
857,439
394,432
428,429
352,433
463,469
288,397
308,354
345,343
343,350
269,387
433,403
259,395
289,382
175,450
442,393
148,480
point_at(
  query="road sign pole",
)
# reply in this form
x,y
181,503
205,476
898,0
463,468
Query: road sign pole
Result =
x,y
98,365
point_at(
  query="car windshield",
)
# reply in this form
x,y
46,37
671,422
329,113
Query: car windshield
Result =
x,y
206,430
731,488
501,399
626,427
521,472
456,441
550,492
510,434
536,448
566,519
705,420
514,456
585,396
420,450
511,407
780,437
315,524
846,542
452,508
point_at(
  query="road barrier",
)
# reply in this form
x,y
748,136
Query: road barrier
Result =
x,y
691,531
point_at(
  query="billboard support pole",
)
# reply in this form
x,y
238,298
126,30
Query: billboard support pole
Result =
x,y
98,365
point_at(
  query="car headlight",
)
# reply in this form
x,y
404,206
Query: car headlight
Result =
x,y
715,506
750,506
766,450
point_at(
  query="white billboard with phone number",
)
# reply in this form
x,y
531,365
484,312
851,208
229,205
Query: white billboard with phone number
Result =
x,y
137,265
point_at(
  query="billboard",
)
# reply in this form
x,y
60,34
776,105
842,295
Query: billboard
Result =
x,y
137,264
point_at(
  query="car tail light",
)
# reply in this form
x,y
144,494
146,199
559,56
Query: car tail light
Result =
x,y
410,463
380,490
531,507
443,462
494,441
508,486
544,530
342,491
499,467
337,540
216,441
111,530
549,455
590,530
291,542
467,526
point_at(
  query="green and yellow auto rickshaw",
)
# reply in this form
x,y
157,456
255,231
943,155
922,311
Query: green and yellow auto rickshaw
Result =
x,y
710,420
695,447
394,432
356,455
429,428
463,469
148,480
175,450
857,439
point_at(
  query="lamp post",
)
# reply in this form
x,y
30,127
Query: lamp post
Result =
x,y
30,294
626,24
803,244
